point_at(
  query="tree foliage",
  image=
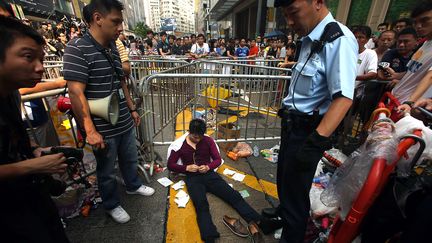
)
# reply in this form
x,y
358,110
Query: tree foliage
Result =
x,y
141,29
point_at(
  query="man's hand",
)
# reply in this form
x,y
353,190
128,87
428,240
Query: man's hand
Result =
x,y
425,103
38,151
392,84
95,139
404,108
192,168
203,169
49,164
136,117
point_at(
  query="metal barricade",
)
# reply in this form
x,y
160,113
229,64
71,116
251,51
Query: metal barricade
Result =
x,y
258,61
236,107
353,132
52,57
245,68
144,68
53,71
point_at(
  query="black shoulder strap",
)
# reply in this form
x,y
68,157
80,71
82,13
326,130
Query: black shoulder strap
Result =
x,y
331,32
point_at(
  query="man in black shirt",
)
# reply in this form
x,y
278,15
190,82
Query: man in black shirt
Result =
x,y
163,46
230,50
177,48
29,214
187,44
398,58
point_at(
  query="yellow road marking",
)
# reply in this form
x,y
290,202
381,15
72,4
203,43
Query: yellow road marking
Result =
x,y
182,226
252,182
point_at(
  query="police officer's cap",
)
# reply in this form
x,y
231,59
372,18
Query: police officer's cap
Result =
x,y
282,3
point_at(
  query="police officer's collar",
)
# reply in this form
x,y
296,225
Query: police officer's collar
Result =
x,y
98,46
318,30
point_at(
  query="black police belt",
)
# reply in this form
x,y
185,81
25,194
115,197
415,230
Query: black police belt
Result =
x,y
300,119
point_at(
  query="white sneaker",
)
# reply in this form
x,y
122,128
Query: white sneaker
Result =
x,y
143,191
119,215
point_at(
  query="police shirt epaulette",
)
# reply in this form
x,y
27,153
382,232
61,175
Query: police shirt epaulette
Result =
x,y
331,32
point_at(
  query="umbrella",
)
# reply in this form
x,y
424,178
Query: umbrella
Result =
x,y
274,33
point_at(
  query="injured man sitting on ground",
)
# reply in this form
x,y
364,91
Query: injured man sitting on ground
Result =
x,y
197,155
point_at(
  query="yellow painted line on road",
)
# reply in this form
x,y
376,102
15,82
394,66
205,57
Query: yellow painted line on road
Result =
x,y
182,226
252,182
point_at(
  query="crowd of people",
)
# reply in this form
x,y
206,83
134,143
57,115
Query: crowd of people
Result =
x,y
333,68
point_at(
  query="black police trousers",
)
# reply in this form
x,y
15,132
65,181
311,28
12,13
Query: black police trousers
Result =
x,y
293,184
30,216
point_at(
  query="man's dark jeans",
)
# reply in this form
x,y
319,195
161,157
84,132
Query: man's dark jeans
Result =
x,y
199,184
124,148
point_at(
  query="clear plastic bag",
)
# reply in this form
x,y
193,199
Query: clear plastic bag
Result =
x,y
318,209
349,178
404,127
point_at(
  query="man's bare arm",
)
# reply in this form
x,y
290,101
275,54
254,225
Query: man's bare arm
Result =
x,y
336,113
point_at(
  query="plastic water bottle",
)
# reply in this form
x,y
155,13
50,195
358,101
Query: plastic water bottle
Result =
x,y
255,151
323,180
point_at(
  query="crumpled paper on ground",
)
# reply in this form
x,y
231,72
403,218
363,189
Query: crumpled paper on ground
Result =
x,y
181,199
178,185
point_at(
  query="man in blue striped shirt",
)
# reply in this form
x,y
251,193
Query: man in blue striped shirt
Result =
x,y
93,70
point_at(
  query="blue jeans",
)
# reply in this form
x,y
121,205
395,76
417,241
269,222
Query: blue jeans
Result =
x,y
123,146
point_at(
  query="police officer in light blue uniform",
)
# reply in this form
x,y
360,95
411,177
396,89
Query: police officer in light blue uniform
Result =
x,y
320,94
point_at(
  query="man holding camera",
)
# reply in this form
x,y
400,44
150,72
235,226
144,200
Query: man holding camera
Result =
x,y
29,214
93,71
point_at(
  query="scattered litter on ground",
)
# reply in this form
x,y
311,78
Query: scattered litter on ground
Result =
x,y
156,167
178,185
228,172
271,154
238,177
244,193
255,151
181,199
164,181
231,185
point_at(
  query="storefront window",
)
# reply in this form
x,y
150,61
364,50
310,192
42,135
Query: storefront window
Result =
x,y
359,11
398,9
65,6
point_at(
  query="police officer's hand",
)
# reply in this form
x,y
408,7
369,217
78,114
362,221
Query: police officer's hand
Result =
x,y
311,152
136,117
95,139
48,164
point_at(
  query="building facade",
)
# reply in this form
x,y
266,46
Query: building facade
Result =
x,y
152,11
248,18
182,12
134,12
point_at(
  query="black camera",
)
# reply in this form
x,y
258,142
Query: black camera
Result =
x,y
74,159
72,155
